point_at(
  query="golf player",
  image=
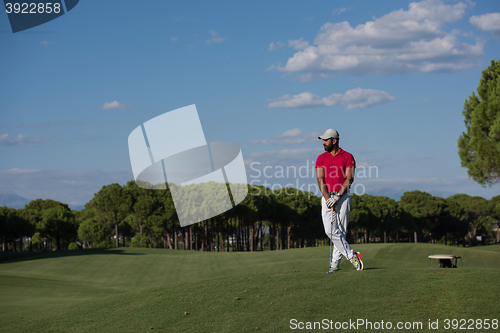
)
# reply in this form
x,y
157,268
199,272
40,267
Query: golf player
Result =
x,y
335,174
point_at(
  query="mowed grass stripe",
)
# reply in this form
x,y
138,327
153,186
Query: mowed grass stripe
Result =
x,y
94,273
270,301
130,269
18,294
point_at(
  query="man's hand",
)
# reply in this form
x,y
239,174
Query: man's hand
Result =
x,y
332,201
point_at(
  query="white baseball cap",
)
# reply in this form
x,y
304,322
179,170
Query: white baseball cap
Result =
x,y
330,133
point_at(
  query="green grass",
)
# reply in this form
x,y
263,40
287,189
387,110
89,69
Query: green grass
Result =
x,y
132,290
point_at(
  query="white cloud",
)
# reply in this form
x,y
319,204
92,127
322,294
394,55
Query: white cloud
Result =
x,y
7,141
487,22
303,100
471,3
15,171
354,99
396,43
274,46
298,44
339,11
215,38
115,105
270,68
290,137
44,43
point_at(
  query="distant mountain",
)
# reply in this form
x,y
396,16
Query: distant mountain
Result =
x,y
12,200
79,207
393,193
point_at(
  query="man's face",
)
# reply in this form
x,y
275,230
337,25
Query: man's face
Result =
x,y
328,144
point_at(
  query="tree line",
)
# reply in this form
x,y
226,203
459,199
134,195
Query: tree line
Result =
x,y
421,217
129,215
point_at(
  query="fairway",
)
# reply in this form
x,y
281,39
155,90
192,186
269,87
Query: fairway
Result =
x,y
132,289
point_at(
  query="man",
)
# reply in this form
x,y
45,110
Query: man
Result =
x,y
335,174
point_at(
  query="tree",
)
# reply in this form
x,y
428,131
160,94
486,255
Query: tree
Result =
x,y
360,217
476,208
454,221
163,219
113,203
33,213
92,232
425,210
144,204
479,148
386,210
494,206
13,226
58,223
40,205
293,205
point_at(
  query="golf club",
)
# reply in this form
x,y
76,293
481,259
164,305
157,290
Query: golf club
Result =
x,y
331,235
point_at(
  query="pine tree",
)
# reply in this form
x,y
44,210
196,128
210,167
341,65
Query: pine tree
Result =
x,y
479,147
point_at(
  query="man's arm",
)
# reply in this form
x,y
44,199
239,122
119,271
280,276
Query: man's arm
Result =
x,y
348,181
320,175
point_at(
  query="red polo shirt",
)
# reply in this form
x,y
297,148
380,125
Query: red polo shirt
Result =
x,y
335,168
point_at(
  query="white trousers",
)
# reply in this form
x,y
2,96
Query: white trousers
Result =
x,y
336,231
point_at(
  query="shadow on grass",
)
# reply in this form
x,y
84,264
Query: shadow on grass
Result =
x,y
8,257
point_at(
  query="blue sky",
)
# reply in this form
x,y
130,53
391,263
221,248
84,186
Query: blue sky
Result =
x,y
390,76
